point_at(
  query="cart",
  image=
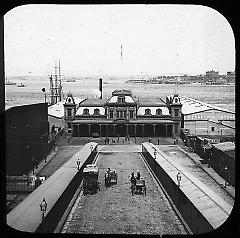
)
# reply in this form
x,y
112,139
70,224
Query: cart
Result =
x,y
139,187
90,179
110,178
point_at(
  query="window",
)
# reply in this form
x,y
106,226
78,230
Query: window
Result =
x,y
121,114
96,111
121,99
131,114
147,112
176,112
111,114
212,129
158,112
69,112
118,114
69,125
85,111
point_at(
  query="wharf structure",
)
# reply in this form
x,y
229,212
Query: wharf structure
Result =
x,y
122,115
206,120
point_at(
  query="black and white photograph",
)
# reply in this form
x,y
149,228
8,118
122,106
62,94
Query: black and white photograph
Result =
x,y
119,119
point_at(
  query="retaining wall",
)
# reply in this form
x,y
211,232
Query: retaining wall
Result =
x,y
193,217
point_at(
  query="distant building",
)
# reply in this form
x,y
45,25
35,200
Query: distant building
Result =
x,y
231,74
122,115
212,74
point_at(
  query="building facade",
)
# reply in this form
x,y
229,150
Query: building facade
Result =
x,y
27,131
202,119
122,115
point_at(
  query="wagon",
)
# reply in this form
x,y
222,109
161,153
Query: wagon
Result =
x,y
90,179
110,178
139,188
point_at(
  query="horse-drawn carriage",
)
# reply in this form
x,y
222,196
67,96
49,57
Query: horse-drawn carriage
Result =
x,y
110,178
138,185
90,179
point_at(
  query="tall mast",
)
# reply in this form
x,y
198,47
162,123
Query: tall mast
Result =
x,y
56,86
121,52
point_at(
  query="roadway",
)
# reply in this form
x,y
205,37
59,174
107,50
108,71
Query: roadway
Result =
x,y
114,210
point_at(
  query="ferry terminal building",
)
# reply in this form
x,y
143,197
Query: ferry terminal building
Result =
x,y
122,115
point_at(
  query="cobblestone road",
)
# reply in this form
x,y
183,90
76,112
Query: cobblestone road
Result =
x,y
114,210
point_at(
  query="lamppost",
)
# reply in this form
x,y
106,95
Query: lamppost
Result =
x,y
43,90
33,164
226,172
78,164
179,177
43,207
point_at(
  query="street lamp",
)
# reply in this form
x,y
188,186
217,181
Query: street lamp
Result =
x,y
43,207
226,171
43,90
78,164
179,177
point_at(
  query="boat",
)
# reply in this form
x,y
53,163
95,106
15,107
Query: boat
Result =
x,y
7,82
21,85
70,80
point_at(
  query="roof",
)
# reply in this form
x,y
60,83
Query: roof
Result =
x,y
122,92
225,146
57,110
92,102
152,102
128,99
190,106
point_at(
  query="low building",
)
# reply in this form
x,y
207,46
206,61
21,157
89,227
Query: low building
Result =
x,y
122,115
207,120
56,116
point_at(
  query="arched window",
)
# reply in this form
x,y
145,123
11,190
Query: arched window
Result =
x,y
85,111
96,111
147,111
159,112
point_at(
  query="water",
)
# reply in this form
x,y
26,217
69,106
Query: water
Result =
x,y
218,95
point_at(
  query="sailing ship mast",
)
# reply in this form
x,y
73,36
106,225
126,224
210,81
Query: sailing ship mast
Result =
x,y
56,92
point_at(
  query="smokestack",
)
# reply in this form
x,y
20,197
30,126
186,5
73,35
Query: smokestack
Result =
x,y
100,87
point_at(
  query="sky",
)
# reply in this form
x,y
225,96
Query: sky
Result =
x,y
87,39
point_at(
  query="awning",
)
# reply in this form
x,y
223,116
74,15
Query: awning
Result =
x,y
102,121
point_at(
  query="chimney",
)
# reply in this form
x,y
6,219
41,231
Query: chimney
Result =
x,y
100,87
